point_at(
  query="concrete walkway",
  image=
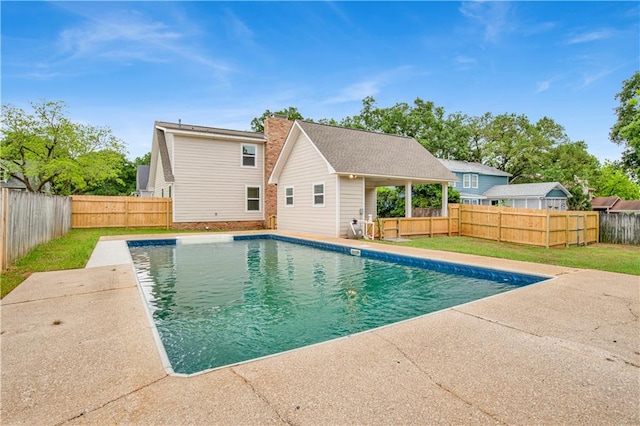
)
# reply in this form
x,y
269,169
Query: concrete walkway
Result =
x,y
76,347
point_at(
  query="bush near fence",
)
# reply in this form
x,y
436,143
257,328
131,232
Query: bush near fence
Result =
x,y
28,219
620,229
89,211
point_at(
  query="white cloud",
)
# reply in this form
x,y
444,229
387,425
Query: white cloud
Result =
x,y
126,37
494,17
464,62
543,86
589,79
356,92
591,36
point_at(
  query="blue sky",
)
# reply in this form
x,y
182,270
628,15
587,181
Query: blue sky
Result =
x,y
127,64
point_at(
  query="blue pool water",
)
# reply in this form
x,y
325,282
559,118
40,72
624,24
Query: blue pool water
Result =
x,y
226,302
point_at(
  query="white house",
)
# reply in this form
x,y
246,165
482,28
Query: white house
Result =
x,y
215,176
327,176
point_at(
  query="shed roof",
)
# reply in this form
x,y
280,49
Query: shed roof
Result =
x,y
626,206
471,167
352,151
142,177
523,190
600,203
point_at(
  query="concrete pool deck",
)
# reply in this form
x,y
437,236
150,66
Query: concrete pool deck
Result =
x,y
76,347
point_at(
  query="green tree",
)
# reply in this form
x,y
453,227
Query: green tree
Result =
x,y
614,181
49,153
626,130
292,113
570,164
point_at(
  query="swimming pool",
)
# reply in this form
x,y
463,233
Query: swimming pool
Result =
x,y
221,303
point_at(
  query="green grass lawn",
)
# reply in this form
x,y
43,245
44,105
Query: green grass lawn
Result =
x,y
604,257
73,250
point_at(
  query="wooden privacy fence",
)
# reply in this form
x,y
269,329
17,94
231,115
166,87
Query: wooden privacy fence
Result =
x,y
28,219
398,227
90,211
620,229
543,228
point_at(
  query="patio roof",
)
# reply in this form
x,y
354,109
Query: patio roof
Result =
x,y
385,160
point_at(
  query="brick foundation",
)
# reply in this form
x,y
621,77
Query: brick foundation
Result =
x,y
276,130
219,226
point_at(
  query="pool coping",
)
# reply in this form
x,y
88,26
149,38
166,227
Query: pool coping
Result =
x,y
559,351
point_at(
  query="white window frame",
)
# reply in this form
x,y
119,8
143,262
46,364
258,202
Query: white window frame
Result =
x,y
247,199
474,181
288,197
254,155
466,180
313,194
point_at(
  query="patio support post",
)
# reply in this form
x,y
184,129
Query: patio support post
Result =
x,y
445,199
407,199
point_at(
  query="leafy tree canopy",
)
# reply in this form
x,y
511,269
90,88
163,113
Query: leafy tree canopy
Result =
x,y
614,181
626,130
49,153
257,124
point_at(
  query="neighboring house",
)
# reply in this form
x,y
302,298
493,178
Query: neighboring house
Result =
x,y
484,185
216,177
474,179
604,204
542,196
327,176
142,179
615,205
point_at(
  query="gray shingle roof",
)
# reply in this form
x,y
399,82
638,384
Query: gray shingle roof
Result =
x,y
469,167
523,190
604,202
211,130
374,154
164,156
142,178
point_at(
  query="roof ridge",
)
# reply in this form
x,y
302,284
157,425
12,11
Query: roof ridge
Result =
x,y
205,129
353,129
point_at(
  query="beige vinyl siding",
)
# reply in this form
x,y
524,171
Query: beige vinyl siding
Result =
x,y
159,183
351,202
303,168
210,183
371,202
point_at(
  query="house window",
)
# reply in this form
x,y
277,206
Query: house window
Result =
x,y
452,184
288,196
169,192
318,194
253,198
469,181
248,155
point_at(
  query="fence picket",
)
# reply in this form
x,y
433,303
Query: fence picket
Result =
x,y
30,219
620,229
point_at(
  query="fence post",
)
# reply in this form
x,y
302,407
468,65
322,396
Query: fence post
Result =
x,y
4,212
548,229
167,206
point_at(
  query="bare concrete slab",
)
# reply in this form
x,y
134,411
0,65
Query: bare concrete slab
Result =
x,y
67,355
76,347
109,253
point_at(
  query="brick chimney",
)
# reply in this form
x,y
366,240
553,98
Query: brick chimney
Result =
x,y
276,129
